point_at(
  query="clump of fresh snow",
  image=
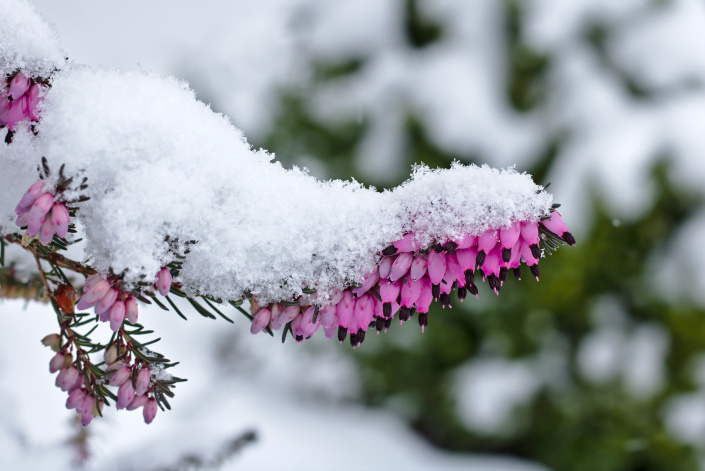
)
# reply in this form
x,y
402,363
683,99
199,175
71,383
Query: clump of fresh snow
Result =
x,y
26,40
164,170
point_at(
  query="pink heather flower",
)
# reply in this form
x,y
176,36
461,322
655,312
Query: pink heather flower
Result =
x,y
345,309
466,241
86,419
369,281
389,292
296,327
423,302
33,101
18,86
401,266
276,309
125,395
95,291
164,281
4,110
137,402
530,234
528,256
485,243
107,301
149,411
117,315
37,213
385,266
336,296
85,407
410,292
122,374
379,309
407,243
66,378
418,266
60,219
507,238
17,111
288,314
556,225
76,384
329,320
307,326
467,258
260,321
22,219
329,331
142,381
364,311
29,197
57,363
110,355
46,233
436,266
75,398
131,309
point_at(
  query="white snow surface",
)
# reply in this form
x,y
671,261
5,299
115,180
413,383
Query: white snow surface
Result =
x,y
160,163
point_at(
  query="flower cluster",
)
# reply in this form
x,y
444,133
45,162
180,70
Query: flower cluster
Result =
x,y
409,278
134,382
41,213
112,302
72,381
19,100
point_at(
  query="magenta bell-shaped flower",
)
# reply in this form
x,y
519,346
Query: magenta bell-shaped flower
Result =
x,y
142,381
46,233
418,266
410,292
530,232
164,281
57,363
388,291
467,258
66,378
346,309
370,280
60,219
436,266
18,86
149,411
407,243
17,111
95,291
260,321
385,267
400,266
288,314
466,242
125,395
423,302
117,315
556,225
33,101
364,311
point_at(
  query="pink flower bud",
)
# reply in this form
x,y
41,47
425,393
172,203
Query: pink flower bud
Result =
x,y
527,254
86,405
288,314
330,331
508,236
46,233
33,101
400,266
18,86
164,281
418,266
436,266
117,315
21,221
17,112
556,225
364,311
96,290
466,258
75,398
122,373
142,381
410,292
137,402
530,232
407,243
76,384
487,241
389,292
336,296
126,394
466,242
66,378
131,310
29,197
107,301
260,321
385,266
370,280
423,302
56,363
454,272
86,419
308,327
345,309
328,316
37,213
60,219
149,411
